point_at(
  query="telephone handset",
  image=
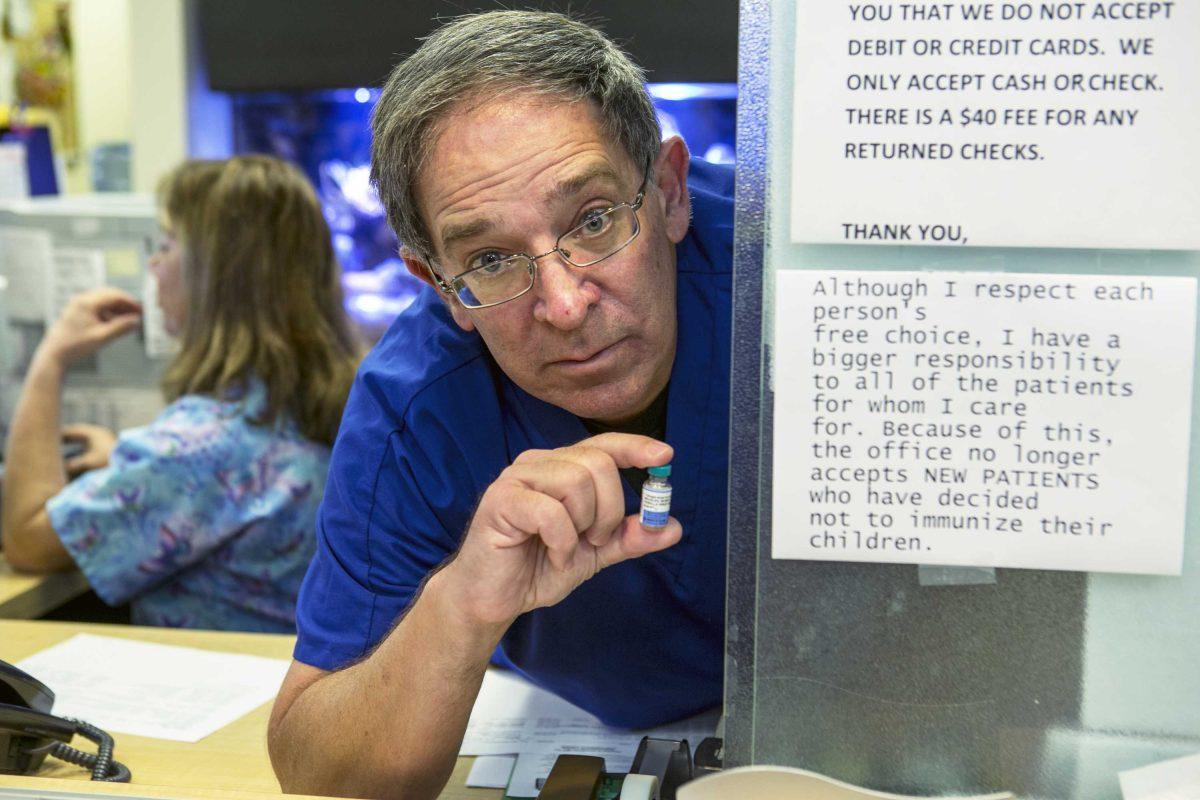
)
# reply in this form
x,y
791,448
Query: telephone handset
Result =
x,y
28,733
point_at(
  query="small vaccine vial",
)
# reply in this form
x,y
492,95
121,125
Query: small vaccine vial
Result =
x,y
656,498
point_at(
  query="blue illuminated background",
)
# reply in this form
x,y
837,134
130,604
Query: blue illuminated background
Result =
x,y
327,133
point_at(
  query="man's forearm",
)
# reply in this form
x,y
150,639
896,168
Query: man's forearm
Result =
x,y
390,726
33,462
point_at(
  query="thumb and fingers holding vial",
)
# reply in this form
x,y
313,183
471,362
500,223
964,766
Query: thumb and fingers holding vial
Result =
x,y
656,499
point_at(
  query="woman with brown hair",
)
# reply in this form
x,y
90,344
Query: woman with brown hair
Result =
x,y
206,517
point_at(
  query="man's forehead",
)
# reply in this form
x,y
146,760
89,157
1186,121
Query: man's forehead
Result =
x,y
543,148
481,119
567,185
590,176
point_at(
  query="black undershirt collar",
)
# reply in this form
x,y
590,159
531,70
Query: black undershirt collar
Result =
x,y
652,422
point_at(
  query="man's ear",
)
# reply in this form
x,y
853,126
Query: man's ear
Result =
x,y
670,173
422,270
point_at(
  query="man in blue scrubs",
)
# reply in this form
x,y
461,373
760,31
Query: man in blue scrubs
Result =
x,y
483,494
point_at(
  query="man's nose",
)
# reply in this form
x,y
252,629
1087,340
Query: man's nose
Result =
x,y
565,293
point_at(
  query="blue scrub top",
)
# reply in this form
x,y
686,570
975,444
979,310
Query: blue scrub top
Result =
x,y
203,518
431,421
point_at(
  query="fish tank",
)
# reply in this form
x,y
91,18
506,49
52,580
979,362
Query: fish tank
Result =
x,y
327,133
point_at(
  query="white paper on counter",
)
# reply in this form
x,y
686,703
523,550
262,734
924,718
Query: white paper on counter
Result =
x,y
512,715
491,772
1177,779
156,690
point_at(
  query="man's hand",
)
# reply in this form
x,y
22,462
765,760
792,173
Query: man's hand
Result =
x,y
90,320
548,523
98,443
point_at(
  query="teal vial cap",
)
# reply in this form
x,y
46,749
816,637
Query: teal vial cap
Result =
x,y
660,472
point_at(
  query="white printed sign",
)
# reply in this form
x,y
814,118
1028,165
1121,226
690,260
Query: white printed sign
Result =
x,y
76,270
1060,124
983,419
159,343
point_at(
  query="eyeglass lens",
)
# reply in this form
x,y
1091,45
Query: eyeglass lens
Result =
x,y
597,238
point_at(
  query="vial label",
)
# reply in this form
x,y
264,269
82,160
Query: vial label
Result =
x,y
656,507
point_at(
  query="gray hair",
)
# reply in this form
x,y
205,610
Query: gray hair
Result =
x,y
487,55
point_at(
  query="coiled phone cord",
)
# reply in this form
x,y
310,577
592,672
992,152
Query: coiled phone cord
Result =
x,y
101,763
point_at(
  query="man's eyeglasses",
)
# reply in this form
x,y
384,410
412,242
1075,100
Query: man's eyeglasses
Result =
x,y
494,278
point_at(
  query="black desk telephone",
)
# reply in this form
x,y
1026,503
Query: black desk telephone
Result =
x,y
28,733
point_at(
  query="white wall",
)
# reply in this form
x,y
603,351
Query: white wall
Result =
x,y
158,105
100,34
131,84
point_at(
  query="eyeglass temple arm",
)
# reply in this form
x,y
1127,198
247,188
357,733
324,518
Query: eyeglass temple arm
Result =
x,y
641,195
437,279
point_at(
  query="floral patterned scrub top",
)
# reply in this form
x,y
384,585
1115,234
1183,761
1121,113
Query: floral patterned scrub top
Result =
x,y
202,519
